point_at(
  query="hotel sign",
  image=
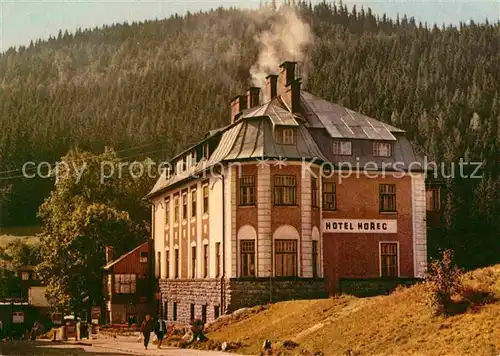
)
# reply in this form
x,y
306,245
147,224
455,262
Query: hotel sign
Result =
x,y
371,226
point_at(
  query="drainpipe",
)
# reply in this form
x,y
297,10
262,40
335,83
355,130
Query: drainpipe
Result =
x,y
151,261
222,281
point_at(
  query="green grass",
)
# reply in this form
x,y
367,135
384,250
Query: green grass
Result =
x,y
398,324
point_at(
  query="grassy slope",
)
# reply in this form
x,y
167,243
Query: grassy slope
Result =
x,y
398,324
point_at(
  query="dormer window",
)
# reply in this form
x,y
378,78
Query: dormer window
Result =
x,y
205,151
342,148
382,149
179,167
285,135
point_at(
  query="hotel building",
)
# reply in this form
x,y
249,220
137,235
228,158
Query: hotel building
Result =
x,y
267,209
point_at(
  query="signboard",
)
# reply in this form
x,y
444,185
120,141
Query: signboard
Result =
x,y
57,318
96,314
18,317
71,329
369,226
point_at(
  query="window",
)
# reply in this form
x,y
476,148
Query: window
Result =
x,y
165,310
167,263
329,196
191,312
34,276
193,262
205,261
433,199
387,197
314,192
315,258
204,313
193,203
184,207
174,312
217,259
205,151
342,148
286,257
25,276
382,149
167,211
205,199
285,135
389,259
176,209
143,257
125,283
284,190
247,190
179,167
247,248
176,263
216,311
158,267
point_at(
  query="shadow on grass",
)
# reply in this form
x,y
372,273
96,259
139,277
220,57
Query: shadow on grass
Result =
x,y
471,300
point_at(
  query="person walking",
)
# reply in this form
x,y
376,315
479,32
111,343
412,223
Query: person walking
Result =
x,y
146,330
160,330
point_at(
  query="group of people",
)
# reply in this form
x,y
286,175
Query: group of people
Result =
x,y
159,328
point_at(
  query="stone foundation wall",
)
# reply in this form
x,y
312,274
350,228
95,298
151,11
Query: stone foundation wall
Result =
x,y
373,286
240,293
184,292
256,291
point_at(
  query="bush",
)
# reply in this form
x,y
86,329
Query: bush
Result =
x,y
443,282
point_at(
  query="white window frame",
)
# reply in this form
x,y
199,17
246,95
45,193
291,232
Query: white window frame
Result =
x,y
342,148
382,149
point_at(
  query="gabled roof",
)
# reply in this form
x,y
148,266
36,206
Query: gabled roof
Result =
x,y
122,257
341,122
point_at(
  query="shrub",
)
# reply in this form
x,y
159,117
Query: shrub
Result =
x,y
443,282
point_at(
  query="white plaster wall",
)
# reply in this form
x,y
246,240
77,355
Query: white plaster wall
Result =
x,y
215,218
264,259
305,245
159,234
419,224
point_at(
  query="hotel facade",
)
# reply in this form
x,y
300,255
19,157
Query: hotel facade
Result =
x,y
295,198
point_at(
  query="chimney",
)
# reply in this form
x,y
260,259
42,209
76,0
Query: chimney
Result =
x,y
287,73
271,86
109,254
290,86
253,97
238,104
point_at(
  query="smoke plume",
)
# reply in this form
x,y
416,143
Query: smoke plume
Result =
x,y
287,39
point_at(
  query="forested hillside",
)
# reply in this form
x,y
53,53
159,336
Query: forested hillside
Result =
x,y
154,88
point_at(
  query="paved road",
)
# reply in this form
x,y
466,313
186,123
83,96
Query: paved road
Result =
x,y
99,347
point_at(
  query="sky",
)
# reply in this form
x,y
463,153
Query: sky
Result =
x,y
24,20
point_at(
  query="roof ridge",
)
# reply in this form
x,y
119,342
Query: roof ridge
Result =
x,y
112,263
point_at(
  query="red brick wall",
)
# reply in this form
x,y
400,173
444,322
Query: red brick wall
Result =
x,y
350,255
246,215
287,215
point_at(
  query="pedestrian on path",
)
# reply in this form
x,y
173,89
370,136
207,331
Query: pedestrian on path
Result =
x,y
160,330
147,328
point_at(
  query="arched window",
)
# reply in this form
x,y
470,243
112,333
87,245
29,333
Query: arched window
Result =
x,y
246,239
286,241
